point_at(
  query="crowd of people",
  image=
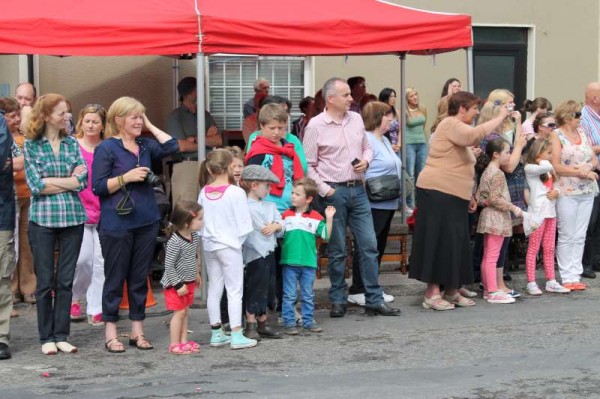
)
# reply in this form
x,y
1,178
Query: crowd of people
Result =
x,y
83,207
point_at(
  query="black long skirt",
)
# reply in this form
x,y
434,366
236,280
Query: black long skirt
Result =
x,y
441,252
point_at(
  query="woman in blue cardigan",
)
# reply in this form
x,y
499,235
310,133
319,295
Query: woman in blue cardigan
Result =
x,y
129,215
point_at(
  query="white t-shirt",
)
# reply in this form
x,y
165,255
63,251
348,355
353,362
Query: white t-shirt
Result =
x,y
227,220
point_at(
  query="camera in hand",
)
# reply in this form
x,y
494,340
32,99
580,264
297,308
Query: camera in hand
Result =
x,y
152,179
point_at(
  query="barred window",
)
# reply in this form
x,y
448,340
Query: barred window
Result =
x,y
231,84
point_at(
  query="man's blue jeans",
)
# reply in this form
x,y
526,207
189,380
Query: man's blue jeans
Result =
x,y
416,155
291,276
352,209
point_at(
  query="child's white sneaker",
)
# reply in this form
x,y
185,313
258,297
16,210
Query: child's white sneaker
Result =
x,y
554,286
500,297
533,289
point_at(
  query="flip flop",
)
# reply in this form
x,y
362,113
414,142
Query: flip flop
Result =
x,y
437,303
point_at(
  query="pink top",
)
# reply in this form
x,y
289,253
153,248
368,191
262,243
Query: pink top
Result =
x,y
90,201
576,155
331,147
527,127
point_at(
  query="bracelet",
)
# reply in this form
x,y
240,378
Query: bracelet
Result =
x,y
121,181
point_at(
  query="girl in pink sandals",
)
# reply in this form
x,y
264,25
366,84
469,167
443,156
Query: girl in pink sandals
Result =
x,y
181,277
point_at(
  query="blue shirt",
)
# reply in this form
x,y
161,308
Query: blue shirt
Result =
x,y
7,186
590,123
112,159
385,162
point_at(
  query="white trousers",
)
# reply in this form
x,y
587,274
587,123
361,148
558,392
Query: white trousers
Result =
x,y
573,215
89,274
225,268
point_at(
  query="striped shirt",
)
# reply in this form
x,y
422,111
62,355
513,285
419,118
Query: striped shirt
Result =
x,y
330,148
299,247
590,123
180,261
61,209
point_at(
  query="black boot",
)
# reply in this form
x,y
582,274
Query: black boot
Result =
x,y
267,332
251,331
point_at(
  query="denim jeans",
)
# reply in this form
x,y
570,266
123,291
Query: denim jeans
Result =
x,y
127,258
416,155
352,209
53,318
292,275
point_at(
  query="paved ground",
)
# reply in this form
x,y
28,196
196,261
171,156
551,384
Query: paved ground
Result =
x,y
542,347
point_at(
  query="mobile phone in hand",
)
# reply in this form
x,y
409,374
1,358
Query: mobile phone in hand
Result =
x,y
355,161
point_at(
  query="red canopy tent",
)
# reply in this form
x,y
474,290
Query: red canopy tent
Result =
x,y
203,27
268,27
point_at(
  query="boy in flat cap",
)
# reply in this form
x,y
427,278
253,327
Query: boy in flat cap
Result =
x,y
259,250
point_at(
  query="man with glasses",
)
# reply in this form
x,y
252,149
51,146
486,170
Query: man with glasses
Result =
x,y
590,123
260,85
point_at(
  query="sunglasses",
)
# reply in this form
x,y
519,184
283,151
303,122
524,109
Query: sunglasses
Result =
x,y
576,115
550,125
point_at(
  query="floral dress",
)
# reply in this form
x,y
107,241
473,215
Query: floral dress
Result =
x,y
493,195
576,155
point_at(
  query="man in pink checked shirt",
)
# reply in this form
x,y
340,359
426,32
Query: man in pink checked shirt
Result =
x,y
338,153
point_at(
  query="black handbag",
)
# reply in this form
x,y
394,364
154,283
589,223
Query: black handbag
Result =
x,y
383,188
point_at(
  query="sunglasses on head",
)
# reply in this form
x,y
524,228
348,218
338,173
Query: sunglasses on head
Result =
x,y
551,125
576,115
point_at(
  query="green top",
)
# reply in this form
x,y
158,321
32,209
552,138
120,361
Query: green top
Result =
x,y
54,210
289,137
415,130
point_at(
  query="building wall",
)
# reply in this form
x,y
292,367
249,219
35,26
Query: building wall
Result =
x,y
567,50
9,72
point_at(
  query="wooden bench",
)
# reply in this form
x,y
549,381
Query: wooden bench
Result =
x,y
398,232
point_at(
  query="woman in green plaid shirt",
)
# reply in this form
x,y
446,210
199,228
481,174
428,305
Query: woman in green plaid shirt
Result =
x,y
55,172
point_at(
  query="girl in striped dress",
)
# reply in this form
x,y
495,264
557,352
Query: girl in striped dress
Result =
x,y
180,276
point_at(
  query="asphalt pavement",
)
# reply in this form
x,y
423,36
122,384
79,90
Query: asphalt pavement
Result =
x,y
539,347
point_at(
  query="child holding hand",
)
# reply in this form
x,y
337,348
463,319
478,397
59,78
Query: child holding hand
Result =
x,y
180,276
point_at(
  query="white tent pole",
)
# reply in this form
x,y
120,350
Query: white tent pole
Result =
x,y
470,79
402,130
201,106
175,72
201,140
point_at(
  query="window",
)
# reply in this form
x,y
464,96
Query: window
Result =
x,y
231,84
500,61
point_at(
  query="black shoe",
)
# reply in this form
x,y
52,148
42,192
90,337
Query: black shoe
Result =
x,y
337,310
4,351
381,309
507,277
265,331
588,273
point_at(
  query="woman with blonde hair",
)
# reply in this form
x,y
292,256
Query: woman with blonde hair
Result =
x,y
415,138
574,161
89,273
510,131
129,215
55,172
